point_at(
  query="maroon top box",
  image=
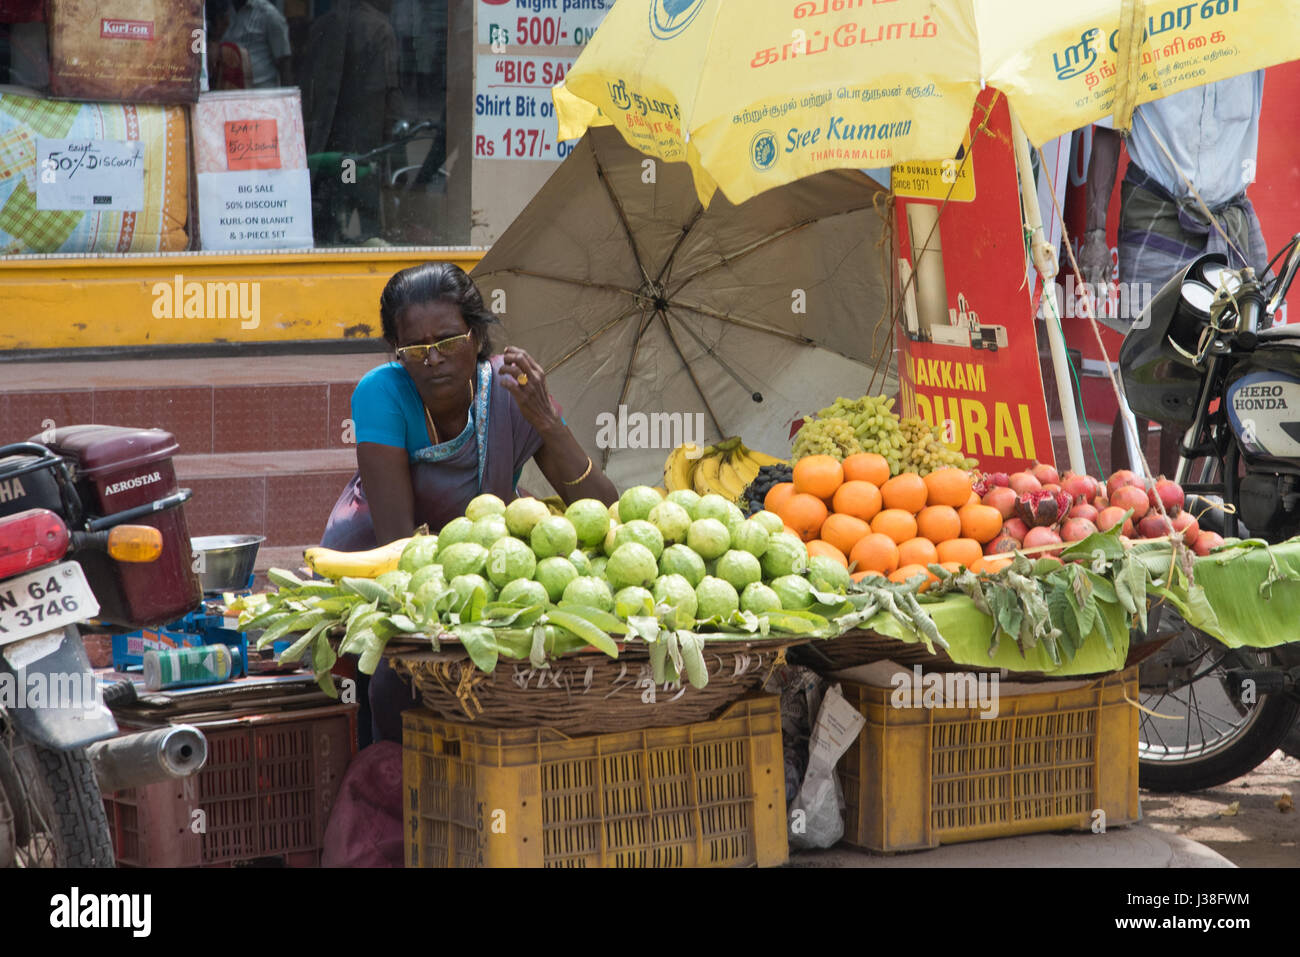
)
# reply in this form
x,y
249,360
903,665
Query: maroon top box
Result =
x,y
125,51
118,469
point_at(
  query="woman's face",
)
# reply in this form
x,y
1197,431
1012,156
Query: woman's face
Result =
x,y
445,375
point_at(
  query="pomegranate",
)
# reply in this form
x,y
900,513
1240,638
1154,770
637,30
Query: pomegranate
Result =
x,y
1042,507
1022,482
1121,478
1189,526
1080,488
1169,493
1003,543
1155,525
1051,487
1112,516
1045,473
1003,499
1100,502
1130,496
1043,536
1015,528
1001,478
1206,541
1077,529
1085,511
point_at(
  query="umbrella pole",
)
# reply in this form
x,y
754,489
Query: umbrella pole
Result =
x,y
1045,262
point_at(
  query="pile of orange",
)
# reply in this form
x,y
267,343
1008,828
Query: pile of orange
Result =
x,y
855,513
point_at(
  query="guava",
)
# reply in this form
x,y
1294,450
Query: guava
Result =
x,y
554,574
643,533
785,555
794,591
481,506
593,592
672,520
489,529
611,540
523,591
734,518
678,593
464,585
708,537
714,596
740,568
759,599
429,573
419,551
396,581
522,514
631,564
683,561
597,567
508,559
613,513
769,520
713,505
633,600
636,502
687,498
590,520
456,531
826,574
750,536
463,558
581,561
553,535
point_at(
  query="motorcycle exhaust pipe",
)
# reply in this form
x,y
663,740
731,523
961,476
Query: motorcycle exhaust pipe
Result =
x,y
134,760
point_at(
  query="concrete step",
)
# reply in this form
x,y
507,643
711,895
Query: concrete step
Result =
x,y
212,405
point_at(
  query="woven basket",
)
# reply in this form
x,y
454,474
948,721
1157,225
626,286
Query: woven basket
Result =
x,y
855,648
585,693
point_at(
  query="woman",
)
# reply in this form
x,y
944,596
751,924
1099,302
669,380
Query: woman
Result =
x,y
442,423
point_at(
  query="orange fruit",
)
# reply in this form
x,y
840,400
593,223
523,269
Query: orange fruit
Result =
x,y
992,563
906,491
974,499
904,572
777,494
804,514
917,551
820,546
843,531
875,553
954,567
980,522
866,467
938,523
858,498
965,551
896,523
858,576
791,531
948,486
818,475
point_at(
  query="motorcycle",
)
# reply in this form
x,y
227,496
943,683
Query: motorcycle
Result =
x,y
1204,357
59,743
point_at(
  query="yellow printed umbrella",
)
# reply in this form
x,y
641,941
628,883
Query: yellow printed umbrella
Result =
x,y
758,93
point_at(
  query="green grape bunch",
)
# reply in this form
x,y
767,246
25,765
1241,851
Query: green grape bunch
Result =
x,y
825,436
926,450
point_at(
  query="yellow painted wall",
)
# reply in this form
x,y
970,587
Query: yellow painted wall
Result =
x,y
77,302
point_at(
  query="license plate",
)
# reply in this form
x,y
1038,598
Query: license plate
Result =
x,y
43,600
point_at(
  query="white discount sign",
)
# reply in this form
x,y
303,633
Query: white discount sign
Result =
x,y
99,175
514,117
540,23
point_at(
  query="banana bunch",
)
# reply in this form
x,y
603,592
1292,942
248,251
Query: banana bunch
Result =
x,y
724,469
368,564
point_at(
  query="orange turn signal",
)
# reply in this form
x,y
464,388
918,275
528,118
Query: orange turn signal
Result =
x,y
135,543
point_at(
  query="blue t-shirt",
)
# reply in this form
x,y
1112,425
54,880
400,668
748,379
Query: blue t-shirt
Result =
x,y
387,410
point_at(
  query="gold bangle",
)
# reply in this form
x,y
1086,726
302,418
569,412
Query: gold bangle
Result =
x,y
584,474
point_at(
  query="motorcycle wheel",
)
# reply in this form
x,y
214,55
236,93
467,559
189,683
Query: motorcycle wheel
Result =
x,y
1201,734
57,807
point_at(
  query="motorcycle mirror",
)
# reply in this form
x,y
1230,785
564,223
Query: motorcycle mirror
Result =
x,y
135,543
1288,276
400,128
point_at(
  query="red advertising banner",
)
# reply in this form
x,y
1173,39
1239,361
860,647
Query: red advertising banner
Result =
x,y
968,352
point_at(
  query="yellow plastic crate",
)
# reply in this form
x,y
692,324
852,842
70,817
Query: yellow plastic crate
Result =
x,y
699,795
919,777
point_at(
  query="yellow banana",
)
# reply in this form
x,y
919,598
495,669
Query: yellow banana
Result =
x,y
705,478
730,480
678,468
368,564
745,465
762,458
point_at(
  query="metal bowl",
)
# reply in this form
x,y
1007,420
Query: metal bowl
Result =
x,y
224,562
